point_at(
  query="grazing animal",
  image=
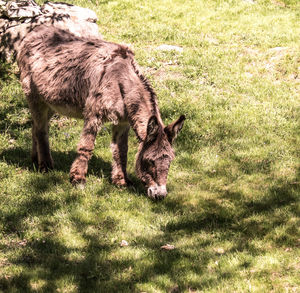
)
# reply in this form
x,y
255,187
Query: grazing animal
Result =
x,y
97,81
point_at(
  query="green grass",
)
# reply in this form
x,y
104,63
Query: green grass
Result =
x,y
233,207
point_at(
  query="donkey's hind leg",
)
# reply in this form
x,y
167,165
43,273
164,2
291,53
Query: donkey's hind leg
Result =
x,y
34,152
41,115
119,148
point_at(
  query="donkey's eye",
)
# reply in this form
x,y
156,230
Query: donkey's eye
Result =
x,y
148,165
151,163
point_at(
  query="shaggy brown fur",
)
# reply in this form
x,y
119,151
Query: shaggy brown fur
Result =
x,y
98,81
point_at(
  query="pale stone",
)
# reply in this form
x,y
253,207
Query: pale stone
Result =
x,y
19,17
123,243
170,48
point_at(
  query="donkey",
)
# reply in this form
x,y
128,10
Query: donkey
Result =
x,y
97,81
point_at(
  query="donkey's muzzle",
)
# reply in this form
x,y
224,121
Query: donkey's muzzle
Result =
x,y
157,192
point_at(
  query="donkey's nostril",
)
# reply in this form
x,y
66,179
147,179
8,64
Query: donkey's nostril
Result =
x,y
152,191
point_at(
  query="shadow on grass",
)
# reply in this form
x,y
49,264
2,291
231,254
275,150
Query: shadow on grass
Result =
x,y
51,260
62,161
218,216
243,222
95,267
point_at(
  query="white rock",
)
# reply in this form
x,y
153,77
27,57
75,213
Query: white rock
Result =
x,y
75,12
168,247
124,243
170,48
21,16
278,49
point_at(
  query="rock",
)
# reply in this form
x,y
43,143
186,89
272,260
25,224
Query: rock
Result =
x,y
19,16
123,243
278,49
170,48
22,9
278,3
219,250
76,13
168,247
3,23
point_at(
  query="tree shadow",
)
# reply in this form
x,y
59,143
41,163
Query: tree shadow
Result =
x,y
62,161
244,221
48,258
51,260
279,195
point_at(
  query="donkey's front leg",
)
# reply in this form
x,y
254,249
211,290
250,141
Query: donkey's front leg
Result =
x,y
84,151
119,147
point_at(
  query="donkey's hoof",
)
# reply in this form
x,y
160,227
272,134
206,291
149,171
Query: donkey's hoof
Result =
x,y
77,181
80,186
35,161
44,167
121,182
129,182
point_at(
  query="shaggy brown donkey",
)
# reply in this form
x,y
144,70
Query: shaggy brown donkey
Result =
x,y
98,81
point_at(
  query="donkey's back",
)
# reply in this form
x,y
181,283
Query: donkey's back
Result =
x,y
65,70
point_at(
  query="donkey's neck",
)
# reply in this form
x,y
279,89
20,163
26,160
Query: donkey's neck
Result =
x,y
140,101
139,113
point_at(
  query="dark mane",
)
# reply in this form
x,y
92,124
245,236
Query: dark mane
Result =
x,y
147,86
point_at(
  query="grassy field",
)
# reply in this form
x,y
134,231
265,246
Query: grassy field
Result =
x,y
232,213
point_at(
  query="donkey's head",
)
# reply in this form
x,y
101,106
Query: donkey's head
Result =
x,y
155,156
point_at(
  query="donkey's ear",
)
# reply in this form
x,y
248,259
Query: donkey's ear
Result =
x,y
152,128
173,129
